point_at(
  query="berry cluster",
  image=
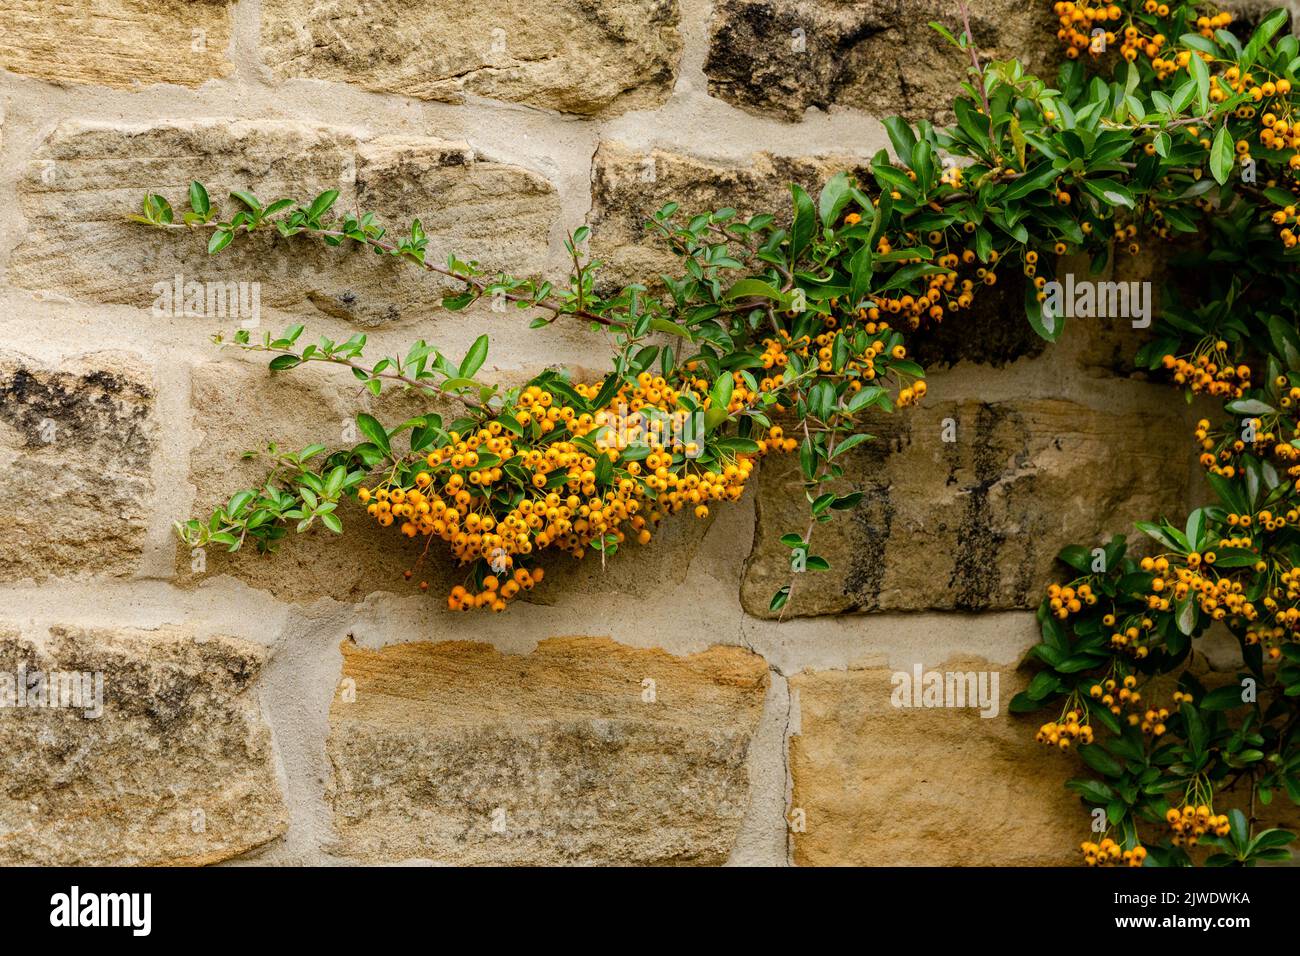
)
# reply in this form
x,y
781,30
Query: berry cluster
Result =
x,y
1110,853
1064,732
1190,823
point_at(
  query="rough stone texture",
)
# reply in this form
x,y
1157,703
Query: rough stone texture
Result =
x,y
784,56
177,770
972,524
441,736
1108,345
76,449
493,213
576,56
1247,15
295,410
629,185
86,177
887,786
118,43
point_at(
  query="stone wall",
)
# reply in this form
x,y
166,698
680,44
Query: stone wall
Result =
x,y
315,708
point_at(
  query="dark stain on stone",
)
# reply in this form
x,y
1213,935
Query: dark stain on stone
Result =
x,y
994,331
871,524
168,693
96,408
755,62
781,76
976,578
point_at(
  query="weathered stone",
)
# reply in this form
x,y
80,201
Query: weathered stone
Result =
x,y
560,749
308,406
972,524
177,769
118,43
1111,343
86,177
575,56
494,213
881,56
629,185
880,785
644,572
76,448
1247,14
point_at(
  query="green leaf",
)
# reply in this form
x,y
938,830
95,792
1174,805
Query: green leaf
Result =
x,y
199,199
805,222
1041,320
722,391
1160,534
1266,30
1196,733
901,136
1239,827
755,289
1201,74
1222,698
1110,191
1022,704
322,203
1076,556
1100,760
1249,406
370,427
851,442
475,357
1031,182
1271,839
660,324
219,240
1195,525
860,273
779,599
248,199
1043,684
1186,615
1221,153
1094,791
835,194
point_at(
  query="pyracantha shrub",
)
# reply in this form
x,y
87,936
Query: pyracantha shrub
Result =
x,y
1167,124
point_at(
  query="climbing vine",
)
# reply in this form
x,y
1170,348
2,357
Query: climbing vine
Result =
x,y
1167,124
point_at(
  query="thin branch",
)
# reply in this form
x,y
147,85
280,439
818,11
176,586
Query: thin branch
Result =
x,y
468,400
473,282
975,61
